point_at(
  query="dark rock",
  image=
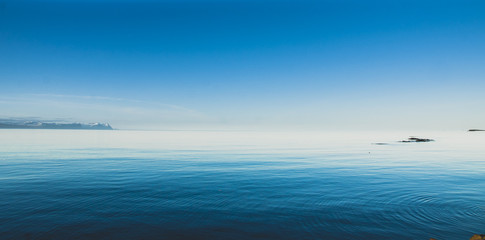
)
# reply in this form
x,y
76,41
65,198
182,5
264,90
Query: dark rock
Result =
x,y
478,237
476,130
415,139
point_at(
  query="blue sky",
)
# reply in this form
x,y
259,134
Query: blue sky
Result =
x,y
245,64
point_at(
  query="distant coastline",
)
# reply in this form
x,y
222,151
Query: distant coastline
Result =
x,y
12,124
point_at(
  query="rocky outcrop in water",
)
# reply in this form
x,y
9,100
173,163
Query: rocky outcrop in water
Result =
x,y
474,237
478,237
409,140
476,130
415,139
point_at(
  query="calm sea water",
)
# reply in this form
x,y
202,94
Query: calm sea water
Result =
x,y
61,184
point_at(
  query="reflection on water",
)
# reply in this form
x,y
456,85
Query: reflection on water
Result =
x,y
239,185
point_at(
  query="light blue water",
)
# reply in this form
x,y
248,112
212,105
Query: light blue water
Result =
x,y
57,184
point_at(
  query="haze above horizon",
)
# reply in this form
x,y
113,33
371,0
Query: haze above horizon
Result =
x,y
245,64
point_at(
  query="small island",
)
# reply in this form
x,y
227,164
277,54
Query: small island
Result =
x,y
16,124
415,139
476,130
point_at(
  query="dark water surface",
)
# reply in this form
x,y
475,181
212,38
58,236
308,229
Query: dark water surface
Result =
x,y
57,184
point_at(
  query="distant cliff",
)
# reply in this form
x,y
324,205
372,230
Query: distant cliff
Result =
x,y
15,124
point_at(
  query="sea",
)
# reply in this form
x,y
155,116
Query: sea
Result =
x,y
121,184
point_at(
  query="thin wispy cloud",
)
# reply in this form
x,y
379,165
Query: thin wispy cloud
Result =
x,y
109,99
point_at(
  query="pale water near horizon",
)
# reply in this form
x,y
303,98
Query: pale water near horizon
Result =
x,y
81,184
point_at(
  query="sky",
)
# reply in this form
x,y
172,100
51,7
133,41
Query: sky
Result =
x,y
245,64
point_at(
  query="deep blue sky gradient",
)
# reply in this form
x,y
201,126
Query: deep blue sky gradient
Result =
x,y
298,63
